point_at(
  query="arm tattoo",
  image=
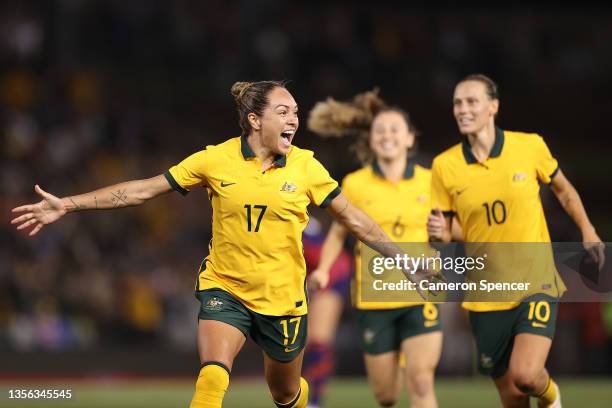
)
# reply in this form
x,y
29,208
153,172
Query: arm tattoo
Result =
x,y
370,229
345,207
76,206
96,200
120,197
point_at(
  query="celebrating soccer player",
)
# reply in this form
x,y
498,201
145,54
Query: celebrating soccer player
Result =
x,y
489,182
253,280
397,198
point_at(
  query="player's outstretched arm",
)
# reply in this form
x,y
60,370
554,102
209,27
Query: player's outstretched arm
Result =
x,y
572,204
362,226
334,241
371,234
52,208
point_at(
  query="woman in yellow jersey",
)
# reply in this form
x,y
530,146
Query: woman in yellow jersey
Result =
x,y
253,280
489,182
394,191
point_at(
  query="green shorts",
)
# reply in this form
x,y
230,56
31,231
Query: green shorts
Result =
x,y
495,331
280,337
384,330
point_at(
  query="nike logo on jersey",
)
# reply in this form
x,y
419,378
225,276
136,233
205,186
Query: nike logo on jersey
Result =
x,y
288,350
459,192
540,325
224,184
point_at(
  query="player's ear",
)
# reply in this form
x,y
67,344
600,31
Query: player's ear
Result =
x,y
411,138
254,121
494,107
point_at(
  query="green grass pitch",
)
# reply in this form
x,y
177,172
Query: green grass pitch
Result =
x,y
354,393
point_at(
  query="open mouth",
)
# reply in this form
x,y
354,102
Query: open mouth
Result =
x,y
287,136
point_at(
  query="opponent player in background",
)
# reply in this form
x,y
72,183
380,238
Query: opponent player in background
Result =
x,y
394,191
253,281
489,182
325,307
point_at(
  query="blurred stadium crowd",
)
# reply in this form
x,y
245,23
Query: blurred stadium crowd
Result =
x,y
96,92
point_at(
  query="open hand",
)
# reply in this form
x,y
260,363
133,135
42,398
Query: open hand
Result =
x,y
49,210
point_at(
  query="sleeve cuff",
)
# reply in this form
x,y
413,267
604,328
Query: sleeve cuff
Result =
x,y
554,173
330,197
174,184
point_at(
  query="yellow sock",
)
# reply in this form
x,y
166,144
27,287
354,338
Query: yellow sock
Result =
x,y
549,395
211,386
300,400
402,360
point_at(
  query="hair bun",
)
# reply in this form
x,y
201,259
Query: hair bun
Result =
x,y
239,88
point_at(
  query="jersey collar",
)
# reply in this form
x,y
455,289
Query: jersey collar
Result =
x,y
408,173
495,151
280,160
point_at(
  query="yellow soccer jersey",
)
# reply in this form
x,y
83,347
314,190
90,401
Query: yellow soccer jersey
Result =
x,y
258,217
498,200
400,209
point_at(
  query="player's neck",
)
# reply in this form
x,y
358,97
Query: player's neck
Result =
x,y
264,154
393,169
482,142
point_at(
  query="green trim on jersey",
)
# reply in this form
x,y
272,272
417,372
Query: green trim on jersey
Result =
x,y
280,160
174,184
335,193
408,172
495,150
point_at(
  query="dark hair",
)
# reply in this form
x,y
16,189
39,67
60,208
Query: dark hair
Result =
x,y
354,118
490,85
252,97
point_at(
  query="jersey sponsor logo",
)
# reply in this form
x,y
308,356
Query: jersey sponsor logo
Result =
x,y
486,361
214,303
224,184
518,177
288,350
288,187
538,325
368,336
